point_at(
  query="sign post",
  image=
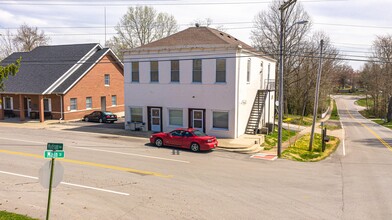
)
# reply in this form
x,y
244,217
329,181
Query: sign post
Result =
x,y
50,188
54,150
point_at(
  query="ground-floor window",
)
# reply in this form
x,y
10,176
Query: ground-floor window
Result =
x,y
8,103
114,100
175,117
89,102
136,114
73,104
47,105
220,120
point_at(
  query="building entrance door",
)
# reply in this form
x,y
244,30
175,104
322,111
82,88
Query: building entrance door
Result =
x,y
103,103
155,119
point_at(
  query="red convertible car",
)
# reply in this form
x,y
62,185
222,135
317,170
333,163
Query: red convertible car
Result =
x,y
189,138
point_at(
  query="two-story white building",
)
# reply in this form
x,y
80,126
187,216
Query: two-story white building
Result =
x,y
201,78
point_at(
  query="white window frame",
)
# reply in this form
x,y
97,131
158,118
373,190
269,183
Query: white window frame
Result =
x,y
115,100
182,117
154,72
136,72
70,104
91,102
195,71
107,79
216,70
173,72
130,115
49,104
228,120
11,101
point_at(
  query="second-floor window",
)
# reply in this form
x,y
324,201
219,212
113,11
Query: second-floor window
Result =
x,y
197,73
135,72
154,73
221,70
248,71
175,71
107,79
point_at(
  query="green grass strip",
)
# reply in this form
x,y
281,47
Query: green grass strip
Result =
x,y
4,215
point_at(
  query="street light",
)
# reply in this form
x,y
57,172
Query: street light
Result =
x,y
282,8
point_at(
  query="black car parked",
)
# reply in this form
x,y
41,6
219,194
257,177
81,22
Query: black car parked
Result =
x,y
101,117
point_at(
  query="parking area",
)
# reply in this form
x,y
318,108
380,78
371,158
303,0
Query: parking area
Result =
x,y
119,124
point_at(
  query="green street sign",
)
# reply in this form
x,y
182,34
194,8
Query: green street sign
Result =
x,y
54,154
54,146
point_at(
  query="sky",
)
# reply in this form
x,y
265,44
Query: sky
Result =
x,y
352,25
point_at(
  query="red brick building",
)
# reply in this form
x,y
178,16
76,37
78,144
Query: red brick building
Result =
x,y
63,82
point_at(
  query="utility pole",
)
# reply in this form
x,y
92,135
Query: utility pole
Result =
x,y
282,9
316,95
105,25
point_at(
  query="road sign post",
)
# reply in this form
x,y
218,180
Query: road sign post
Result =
x,y
54,150
50,189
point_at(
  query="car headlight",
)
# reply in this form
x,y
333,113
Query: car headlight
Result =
x,y
209,141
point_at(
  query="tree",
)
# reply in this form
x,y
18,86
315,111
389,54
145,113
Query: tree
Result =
x,y
28,38
343,76
7,70
139,26
7,46
301,55
377,74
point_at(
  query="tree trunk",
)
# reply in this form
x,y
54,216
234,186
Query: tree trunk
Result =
x,y
389,114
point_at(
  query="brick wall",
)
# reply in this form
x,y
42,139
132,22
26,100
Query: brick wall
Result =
x,y
93,85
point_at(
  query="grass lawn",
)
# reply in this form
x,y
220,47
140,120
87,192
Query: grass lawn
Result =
x,y
272,139
381,122
12,216
334,113
362,102
299,150
298,120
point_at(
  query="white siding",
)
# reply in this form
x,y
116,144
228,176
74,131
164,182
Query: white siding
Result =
x,y
234,97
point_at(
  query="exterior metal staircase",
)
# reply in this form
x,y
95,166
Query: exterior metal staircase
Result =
x,y
256,113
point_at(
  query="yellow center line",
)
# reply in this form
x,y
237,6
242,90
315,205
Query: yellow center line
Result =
x,y
85,163
371,131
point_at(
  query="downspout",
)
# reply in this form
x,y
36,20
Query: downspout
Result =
x,y
61,107
269,97
238,87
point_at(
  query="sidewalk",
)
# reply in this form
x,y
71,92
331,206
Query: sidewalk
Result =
x,y
246,144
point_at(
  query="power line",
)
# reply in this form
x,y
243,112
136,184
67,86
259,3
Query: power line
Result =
x,y
114,4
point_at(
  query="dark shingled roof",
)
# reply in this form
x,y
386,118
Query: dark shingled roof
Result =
x,y
78,73
197,36
41,67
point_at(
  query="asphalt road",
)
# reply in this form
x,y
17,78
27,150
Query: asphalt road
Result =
x,y
114,177
367,166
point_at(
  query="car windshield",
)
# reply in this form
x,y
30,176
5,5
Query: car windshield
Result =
x,y
108,113
199,133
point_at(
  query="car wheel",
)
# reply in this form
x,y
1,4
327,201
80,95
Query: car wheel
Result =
x,y
86,119
158,142
195,147
100,120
